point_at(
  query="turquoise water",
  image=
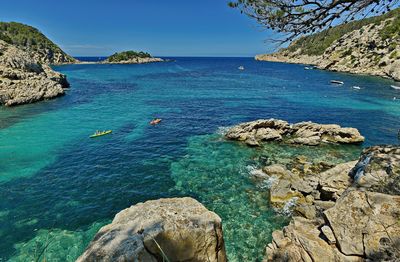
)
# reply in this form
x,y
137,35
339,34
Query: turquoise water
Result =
x,y
57,186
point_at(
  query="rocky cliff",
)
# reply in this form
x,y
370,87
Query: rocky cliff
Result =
x,y
32,41
370,46
24,80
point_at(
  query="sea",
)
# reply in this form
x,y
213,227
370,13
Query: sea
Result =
x,y
58,186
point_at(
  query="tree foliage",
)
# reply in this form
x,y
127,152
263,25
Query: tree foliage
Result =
x,y
127,55
294,18
316,44
25,36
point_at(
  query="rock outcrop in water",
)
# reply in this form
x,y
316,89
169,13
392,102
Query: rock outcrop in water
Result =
x,y
24,80
176,229
348,213
131,57
304,133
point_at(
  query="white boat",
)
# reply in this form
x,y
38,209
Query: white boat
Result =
x,y
395,87
337,82
241,67
356,87
307,68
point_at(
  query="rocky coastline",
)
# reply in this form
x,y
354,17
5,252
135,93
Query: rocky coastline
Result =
x,y
344,212
363,51
347,212
24,79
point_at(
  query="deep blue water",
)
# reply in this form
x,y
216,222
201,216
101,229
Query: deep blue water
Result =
x,y
57,186
91,58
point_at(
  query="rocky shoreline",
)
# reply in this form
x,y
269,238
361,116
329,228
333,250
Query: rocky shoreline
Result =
x,y
344,212
362,51
348,212
351,213
23,79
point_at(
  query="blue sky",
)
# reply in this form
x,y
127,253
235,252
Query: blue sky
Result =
x,y
161,27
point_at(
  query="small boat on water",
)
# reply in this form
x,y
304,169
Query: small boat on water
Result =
x,y
307,68
337,82
395,87
241,67
101,133
356,87
155,121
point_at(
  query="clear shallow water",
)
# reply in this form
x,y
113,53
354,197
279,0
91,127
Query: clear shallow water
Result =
x,y
57,186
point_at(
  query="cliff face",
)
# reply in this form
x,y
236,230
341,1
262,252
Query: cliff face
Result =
x,y
24,80
372,49
32,41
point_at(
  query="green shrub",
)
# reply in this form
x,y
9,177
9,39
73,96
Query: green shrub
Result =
x,y
127,55
391,30
316,44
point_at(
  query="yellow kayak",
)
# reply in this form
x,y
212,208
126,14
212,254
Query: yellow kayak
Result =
x,y
101,133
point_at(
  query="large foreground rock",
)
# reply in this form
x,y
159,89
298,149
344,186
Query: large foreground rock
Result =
x,y
180,229
24,80
304,133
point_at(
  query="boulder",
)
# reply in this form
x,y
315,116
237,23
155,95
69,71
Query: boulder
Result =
x,y
174,229
333,182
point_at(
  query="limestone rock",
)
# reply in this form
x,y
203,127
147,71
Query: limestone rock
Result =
x,y
327,231
335,181
304,133
365,222
24,80
302,242
378,169
180,229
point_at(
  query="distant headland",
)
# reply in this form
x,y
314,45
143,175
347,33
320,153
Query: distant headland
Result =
x,y
368,46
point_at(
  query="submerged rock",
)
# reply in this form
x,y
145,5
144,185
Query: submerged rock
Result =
x,y
304,133
24,80
174,229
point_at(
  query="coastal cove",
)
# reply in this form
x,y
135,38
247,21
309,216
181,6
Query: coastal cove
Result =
x,y
75,185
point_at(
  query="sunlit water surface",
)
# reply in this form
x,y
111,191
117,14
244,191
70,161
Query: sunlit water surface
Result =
x,y
58,186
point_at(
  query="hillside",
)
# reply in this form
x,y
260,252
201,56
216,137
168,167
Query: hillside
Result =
x,y
23,80
368,46
131,57
34,42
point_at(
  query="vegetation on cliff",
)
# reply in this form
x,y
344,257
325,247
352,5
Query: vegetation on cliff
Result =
x,y
316,44
31,39
127,55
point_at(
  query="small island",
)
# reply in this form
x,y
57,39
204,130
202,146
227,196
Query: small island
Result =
x,y
131,57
